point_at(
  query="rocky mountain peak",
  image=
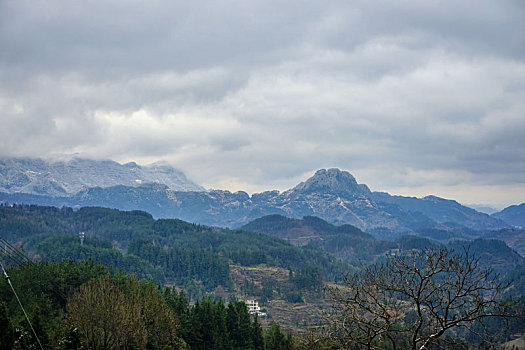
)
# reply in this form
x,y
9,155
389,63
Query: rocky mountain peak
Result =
x,y
334,181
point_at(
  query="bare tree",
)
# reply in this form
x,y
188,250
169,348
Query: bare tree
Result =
x,y
411,301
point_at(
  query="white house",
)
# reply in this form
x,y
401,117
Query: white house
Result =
x,y
253,308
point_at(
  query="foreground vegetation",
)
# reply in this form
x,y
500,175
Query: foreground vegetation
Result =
x,y
83,305
394,305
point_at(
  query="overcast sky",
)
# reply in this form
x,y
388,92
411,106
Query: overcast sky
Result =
x,y
412,97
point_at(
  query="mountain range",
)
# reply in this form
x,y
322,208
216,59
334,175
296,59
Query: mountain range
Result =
x,y
67,177
333,195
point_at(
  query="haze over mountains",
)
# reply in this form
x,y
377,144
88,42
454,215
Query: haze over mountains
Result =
x,y
332,195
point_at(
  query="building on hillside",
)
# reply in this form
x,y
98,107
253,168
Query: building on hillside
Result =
x,y
253,308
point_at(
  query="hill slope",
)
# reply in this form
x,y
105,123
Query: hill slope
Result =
x,y
353,245
309,230
514,215
177,251
513,238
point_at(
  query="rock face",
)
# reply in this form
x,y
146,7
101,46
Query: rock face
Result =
x,y
333,195
332,181
66,178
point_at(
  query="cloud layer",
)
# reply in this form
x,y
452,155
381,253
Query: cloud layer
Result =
x,y
412,97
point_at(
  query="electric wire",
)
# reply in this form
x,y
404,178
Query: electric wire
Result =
x,y
13,254
8,279
10,255
17,257
14,250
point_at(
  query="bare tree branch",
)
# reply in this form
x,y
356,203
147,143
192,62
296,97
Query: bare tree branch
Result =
x,y
414,299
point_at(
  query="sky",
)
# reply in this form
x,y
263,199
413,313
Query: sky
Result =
x,y
412,97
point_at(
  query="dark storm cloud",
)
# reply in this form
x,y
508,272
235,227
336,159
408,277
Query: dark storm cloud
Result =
x,y
257,94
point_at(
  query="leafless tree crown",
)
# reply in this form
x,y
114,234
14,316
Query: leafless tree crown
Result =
x,y
411,301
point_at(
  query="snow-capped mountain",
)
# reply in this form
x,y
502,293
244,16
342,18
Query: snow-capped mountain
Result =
x,y
67,177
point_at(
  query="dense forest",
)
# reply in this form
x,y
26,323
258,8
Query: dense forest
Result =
x,y
193,257
199,258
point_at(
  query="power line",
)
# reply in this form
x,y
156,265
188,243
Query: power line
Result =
x,y
14,254
8,251
8,279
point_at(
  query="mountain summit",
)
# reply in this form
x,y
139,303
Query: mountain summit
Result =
x,y
333,181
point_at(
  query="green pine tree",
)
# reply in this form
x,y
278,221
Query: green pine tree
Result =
x,y
274,339
257,334
7,333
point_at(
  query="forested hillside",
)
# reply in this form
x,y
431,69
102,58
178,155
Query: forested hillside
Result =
x,y
356,247
199,257
194,257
